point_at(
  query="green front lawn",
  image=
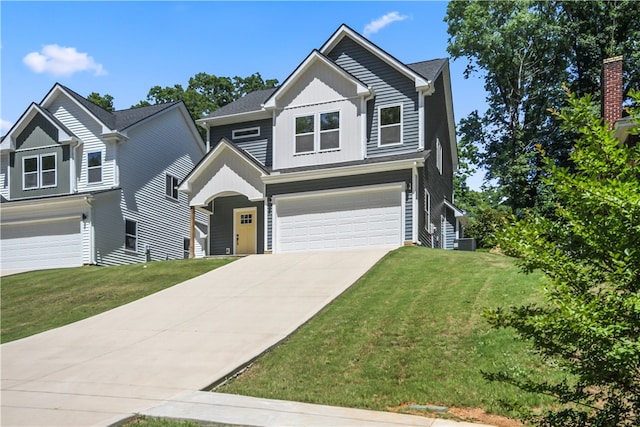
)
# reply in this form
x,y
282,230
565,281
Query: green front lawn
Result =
x,y
37,301
410,331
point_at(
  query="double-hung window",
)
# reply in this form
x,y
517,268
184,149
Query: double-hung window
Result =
x,y
390,125
171,186
94,167
317,132
130,235
39,171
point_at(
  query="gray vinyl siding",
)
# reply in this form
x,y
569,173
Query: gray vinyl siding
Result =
x,y
221,229
439,185
390,87
63,169
351,181
154,149
108,231
4,175
259,147
40,132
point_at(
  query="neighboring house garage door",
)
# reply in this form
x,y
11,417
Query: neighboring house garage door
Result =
x,y
41,245
339,220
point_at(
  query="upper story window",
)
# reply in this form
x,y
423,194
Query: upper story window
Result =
x,y
439,155
317,132
390,125
130,235
39,171
94,167
171,186
245,133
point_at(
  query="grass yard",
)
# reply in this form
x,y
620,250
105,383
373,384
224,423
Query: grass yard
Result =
x,y
410,331
37,301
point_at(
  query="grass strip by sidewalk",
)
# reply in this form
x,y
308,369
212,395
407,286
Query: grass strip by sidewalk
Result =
x,y
408,332
37,301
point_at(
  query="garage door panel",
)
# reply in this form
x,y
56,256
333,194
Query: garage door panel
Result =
x,y
43,245
345,220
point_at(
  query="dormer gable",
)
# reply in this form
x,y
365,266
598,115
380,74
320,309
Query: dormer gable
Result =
x,y
37,117
314,58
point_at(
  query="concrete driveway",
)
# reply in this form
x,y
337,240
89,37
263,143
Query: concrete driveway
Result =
x,y
108,367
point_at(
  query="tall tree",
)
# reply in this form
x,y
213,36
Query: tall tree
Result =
x,y
590,323
514,45
525,51
105,101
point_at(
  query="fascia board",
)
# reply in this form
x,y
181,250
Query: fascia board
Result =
x,y
421,84
313,57
342,171
349,190
233,118
22,207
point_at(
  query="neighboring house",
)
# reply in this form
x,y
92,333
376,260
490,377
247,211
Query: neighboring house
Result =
x,y
354,149
82,185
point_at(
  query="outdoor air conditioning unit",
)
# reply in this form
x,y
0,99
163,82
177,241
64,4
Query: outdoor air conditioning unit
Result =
x,y
466,244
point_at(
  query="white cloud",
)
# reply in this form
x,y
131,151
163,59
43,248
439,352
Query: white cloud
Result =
x,y
62,61
378,24
5,126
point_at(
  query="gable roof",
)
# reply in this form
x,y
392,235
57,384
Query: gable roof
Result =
x,y
250,102
65,136
345,31
315,56
112,120
429,69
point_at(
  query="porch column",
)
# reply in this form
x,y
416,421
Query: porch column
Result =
x,y
192,232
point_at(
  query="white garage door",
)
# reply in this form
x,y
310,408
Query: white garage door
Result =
x,y
41,245
342,220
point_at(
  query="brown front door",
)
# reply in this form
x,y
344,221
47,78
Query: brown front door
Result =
x,y
244,221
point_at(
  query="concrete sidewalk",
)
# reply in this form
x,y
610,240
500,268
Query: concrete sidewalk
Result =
x,y
180,340
250,411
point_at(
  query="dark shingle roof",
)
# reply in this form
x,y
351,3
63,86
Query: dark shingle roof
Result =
x,y
429,69
250,102
121,119
126,118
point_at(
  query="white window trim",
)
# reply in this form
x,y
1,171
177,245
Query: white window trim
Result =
x,y
439,155
55,170
137,236
39,171
255,129
320,131
317,132
380,108
95,167
36,172
175,182
187,251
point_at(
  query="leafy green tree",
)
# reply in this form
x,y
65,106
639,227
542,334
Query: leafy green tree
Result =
x,y
589,325
206,93
105,101
524,51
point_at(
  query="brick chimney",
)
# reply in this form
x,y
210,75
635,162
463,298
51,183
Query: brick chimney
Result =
x,y
612,90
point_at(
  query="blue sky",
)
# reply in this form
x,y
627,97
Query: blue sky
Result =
x,y
124,48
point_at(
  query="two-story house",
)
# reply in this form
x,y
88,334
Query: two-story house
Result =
x,y
354,149
83,185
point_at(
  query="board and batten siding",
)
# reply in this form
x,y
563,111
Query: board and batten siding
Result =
x,y
319,90
88,130
390,87
259,146
154,148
